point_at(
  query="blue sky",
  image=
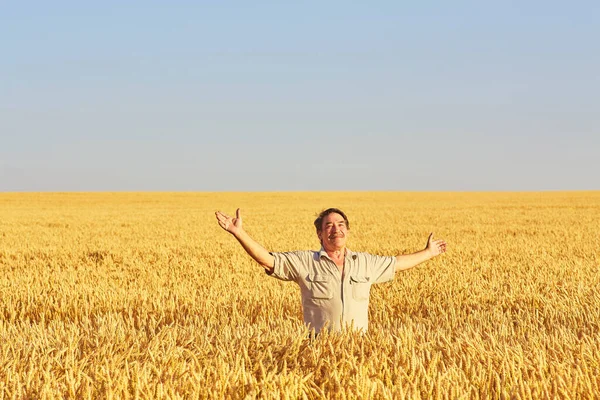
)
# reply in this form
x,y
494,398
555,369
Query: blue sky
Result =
x,y
269,96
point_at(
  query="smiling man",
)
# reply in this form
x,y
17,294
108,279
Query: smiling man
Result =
x,y
335,282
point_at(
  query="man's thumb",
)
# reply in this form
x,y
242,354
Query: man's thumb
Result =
x,y
429,238
237,214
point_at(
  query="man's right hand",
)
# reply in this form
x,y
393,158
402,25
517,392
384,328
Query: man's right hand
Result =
x,y
230,224
255,250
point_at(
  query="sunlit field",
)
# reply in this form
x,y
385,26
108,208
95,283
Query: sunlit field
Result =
x,y
116,295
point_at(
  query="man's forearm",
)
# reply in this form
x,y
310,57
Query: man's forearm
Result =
x,y
255,250
407,261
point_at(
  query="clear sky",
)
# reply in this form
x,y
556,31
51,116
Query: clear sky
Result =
x,y
308,95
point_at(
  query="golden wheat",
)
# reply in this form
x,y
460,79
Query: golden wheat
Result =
x,y
142,295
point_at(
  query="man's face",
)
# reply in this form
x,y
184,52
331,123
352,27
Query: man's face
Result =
x,y
334,232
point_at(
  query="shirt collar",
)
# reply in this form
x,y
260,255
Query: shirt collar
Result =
x,y
349,253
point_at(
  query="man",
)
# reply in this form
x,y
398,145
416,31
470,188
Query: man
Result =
x,y
335,282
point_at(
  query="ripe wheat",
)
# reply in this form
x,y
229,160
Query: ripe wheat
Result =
x,y
142,295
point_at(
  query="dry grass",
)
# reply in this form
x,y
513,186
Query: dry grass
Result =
x,y
144,296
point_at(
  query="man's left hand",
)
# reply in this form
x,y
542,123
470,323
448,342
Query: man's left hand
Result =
x,y
435,247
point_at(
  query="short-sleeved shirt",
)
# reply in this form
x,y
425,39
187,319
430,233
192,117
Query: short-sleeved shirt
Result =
x,y
328,298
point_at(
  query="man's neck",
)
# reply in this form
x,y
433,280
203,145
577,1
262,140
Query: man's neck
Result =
x,y
336,254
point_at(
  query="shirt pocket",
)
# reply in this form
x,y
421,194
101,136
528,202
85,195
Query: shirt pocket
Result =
x,y
361,287
320,287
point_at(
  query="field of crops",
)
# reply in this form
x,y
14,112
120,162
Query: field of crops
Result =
x,y
142,295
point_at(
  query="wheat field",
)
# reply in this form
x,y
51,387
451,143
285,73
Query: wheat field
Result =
x,y
142,295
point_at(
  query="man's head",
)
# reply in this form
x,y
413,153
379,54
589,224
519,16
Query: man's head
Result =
x,y
332,228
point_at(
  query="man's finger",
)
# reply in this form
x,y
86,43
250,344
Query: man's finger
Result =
x,y
429,238
237,214
221,216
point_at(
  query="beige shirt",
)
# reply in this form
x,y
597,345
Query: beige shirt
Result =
x,y
328,298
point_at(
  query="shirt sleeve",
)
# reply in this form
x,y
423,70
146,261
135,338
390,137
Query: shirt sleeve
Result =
x,y
287,265
382,268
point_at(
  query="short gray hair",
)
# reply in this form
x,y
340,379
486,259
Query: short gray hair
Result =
x,y
324,213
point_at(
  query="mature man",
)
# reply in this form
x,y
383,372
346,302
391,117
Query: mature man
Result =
x,y
335,282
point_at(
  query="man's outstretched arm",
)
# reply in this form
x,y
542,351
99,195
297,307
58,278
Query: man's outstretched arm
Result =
x,y
433,249
255,250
